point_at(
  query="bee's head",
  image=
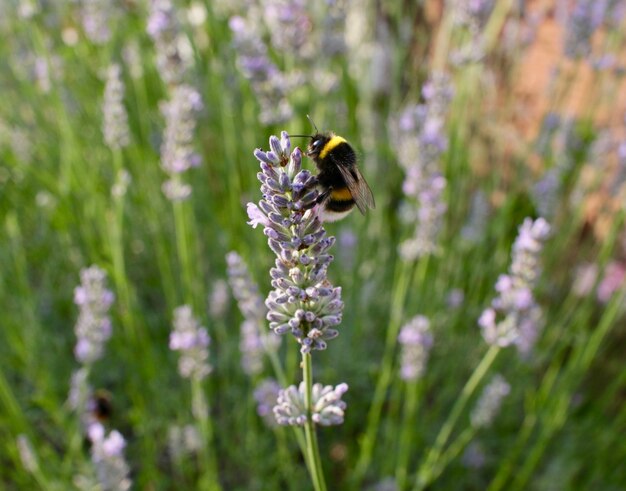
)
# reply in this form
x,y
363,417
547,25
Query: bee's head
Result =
x,y
317,143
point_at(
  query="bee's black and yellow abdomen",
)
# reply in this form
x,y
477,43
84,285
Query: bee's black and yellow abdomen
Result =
x,y
340,200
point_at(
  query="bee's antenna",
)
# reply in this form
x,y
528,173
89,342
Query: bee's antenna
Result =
x,y
314,125
300,136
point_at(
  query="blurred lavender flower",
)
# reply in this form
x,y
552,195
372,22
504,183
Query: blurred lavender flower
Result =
x,y
266,397
420,139
581,24
546,192
347,244
327,406
107,453
416,341
122,181
289,25
455,298
132,59
96,17
585,277
177,152
268,83
26,9
471,15
192,340
218,299
474,456
42,74
27,453
386,484
333,37
514,316
93,327
254,343
79,390
173,50
489,402
612,280
303,301
183,441
245,290
474,229
115,120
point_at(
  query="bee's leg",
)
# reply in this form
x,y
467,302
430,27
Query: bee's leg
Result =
x,y
323,196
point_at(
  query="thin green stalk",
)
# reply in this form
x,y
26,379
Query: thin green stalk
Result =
x,y
116,234
413,392
432,461
452,452
559,403
312,449
201,410
183,251
403,275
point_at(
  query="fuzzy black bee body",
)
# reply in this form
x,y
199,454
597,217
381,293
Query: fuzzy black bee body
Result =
x,y
342,185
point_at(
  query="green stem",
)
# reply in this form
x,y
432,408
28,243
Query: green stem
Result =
x,y
455,448
182,249
312,454
426,472
413,391
201,410
403,273
116,234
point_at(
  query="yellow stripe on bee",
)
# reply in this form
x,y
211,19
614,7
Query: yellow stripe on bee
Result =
x,y
332,143
341,194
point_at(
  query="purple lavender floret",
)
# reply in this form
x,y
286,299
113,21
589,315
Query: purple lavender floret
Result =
x,y
303,301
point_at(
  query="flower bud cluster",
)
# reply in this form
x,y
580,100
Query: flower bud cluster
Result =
x,y
173,49
115,120
93,327
266,396
303,301
107,454
177,152
416,341
327,406
514,316
420,139
489,402
254,342
192,340
269,84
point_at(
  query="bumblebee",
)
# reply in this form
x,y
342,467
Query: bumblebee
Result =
x,y
342,185
100,405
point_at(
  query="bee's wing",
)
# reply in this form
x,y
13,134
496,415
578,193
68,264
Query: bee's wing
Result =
x,y
358,187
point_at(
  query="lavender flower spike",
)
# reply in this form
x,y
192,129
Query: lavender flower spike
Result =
x,y
514,316
303,301
107,453
254,343
177,152
327,406
416,340
490,401
115,124
192,340
93,327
